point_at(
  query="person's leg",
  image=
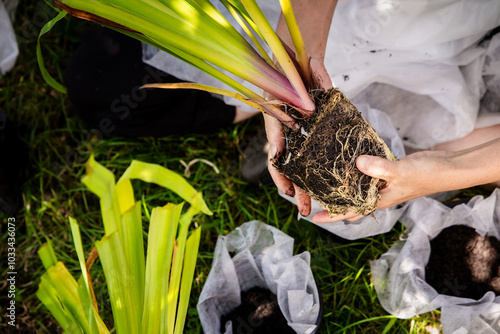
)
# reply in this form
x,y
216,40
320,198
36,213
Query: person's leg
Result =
x,y
104,77
240,115
13,164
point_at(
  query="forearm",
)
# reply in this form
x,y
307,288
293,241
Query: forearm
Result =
x,y
314,19
475,166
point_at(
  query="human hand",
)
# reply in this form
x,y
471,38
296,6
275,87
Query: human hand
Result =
x,y
274,130
413,176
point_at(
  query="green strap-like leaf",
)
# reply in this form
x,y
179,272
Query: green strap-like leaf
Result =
x,y
58,290
86,293
199,63
87,304
132,237
166,178
280,53
147,295
161,236
190,258
174,286
47,255
48,297
265,108
234,12
120,282
177,25
298,43
101,182
48,78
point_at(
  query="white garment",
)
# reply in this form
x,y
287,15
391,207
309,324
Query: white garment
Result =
x,y
8,42
416,60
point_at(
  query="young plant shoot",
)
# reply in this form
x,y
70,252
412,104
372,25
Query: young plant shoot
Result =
x,y
325,124
148,293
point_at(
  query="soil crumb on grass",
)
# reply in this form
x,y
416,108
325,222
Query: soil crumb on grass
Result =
x,y
259,312
463,263
321,157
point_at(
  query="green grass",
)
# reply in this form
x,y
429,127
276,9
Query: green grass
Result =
x,y
59,144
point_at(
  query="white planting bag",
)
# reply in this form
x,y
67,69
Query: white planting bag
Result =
x,y
8,42
262,256
399,274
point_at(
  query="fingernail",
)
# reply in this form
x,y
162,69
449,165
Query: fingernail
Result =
x,y
363,162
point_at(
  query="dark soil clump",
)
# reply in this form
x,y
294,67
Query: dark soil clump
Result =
x,y
463,263
259,312
321,157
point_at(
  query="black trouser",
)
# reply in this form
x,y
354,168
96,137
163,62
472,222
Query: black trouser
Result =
x,y
104,77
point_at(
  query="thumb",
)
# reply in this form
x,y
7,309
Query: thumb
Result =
x,y
375,166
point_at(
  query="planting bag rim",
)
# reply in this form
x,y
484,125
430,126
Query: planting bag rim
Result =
x,y
399,274
258,255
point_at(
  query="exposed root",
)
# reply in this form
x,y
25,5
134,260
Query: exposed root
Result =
x,y
323,162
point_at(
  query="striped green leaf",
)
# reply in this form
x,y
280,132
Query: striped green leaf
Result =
x,y
147,294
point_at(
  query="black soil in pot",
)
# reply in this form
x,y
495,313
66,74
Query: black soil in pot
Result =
x,y
259,312
463,263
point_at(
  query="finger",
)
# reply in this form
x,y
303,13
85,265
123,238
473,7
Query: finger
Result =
x,y
281,182
303,201
355,218
376,167
274,132
324,217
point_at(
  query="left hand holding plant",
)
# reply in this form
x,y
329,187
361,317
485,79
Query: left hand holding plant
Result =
x,y
274,131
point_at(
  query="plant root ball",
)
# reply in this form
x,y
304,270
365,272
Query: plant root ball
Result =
x,y
320,158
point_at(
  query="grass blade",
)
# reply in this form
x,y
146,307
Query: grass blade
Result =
x,y
46,75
